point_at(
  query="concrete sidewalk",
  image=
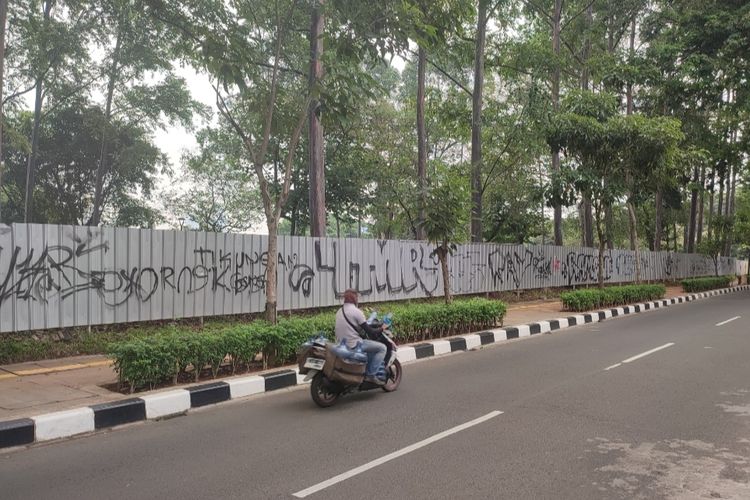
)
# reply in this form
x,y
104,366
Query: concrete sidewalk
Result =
x,y
38,387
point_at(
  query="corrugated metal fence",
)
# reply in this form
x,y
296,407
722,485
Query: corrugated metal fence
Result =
x,y
60,276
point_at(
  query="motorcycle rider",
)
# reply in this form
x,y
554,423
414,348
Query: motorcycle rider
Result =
x,y
351,325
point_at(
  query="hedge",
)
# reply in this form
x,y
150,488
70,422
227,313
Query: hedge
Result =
x,y
162,358
700,284
585,300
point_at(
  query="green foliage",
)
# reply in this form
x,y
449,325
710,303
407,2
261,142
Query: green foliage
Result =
x,y
701,284
586,300
162,357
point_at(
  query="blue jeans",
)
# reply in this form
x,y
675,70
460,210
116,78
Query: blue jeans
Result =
x,y
375,355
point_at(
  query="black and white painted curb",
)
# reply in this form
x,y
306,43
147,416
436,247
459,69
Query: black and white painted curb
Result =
x,y
69,423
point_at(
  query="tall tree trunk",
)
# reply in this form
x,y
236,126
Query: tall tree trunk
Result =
x,y
731,188
589,221
3,16
28,212
631,51
659,211
315,127
693,212
101,167
476,124
634,239
701,204
556,74
722,179
588,227
31,163
730,174
608,227
674,229
711,204
272,270
443,257
421,141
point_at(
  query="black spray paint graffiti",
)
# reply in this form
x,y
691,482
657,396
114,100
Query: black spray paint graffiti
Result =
x,y
56,272
513,266
424,273
580,268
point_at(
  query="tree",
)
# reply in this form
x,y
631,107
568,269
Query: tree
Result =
x,y
246,49
221,194
315,128
136,47
713,245
476,122
3,16
67,162
445,215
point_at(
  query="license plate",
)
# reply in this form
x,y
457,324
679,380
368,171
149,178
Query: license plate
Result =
x,y
315,363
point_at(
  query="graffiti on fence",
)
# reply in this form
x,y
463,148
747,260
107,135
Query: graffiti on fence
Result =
x,y
109,267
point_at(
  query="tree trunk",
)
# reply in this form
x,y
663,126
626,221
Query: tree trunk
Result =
x,y
589,222
674,228
31,163
315,128
701,203
443,257
600,271
722,179
659,211
631,50
634,239
730,175
476,124
421,141
693,212
711,205
3,16
731,188
28,212
271,270
101,168
556,107
608,227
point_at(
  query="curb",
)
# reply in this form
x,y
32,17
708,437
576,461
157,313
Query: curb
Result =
x,y
64,424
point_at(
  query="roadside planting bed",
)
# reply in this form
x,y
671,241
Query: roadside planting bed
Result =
x,y
586,300
183,355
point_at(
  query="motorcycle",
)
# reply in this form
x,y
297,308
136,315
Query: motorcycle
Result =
x,y
334,375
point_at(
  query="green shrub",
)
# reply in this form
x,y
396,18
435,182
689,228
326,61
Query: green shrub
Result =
x,y
700,284
585,300
160,358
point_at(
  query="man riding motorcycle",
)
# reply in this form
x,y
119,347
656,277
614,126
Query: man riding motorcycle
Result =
x,y
352,326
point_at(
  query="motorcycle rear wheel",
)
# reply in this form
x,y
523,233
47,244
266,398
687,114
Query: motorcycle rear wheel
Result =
x,y
394,377
321,394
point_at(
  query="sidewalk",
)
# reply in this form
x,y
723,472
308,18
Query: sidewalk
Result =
x,y
38,387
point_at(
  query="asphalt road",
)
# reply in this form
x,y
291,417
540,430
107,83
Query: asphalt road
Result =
x,y
576,423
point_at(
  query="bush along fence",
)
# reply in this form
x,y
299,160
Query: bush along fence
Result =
x,y
183,355
702,284
586,300
65,276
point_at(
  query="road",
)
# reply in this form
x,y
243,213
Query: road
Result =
x,y
577,422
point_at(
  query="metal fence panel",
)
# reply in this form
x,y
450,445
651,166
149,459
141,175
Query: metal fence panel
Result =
x,y
58,276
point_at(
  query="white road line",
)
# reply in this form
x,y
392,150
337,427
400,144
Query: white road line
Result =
x,y
728,321
394,455
613,366
643,354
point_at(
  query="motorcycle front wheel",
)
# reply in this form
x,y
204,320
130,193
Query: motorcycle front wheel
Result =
x,y
321,394
394,377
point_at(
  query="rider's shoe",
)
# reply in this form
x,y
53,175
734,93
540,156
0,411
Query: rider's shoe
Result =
x,y
374,380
